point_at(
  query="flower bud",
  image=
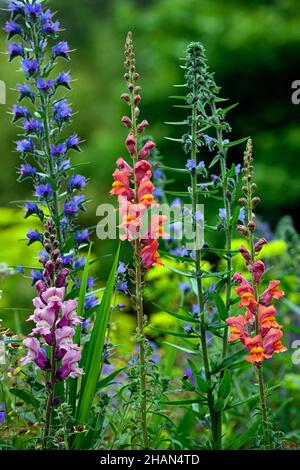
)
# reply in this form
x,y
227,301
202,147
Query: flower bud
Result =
x,y
136,76
125,97
127,122
242,229
242,201
137,99
245,253
131,144
245,189
251,225
142,126
258,269
255,201
130,86
259,245
137,112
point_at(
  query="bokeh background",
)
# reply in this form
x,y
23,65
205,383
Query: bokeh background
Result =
x,y
254,48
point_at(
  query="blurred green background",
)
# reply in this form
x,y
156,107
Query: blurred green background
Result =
x,y
252,46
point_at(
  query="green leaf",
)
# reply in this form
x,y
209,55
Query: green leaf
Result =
x,y
236,142
107,380
229,108
221,307
173,333
219,404
178,123
180,348
73,384
175,170
225,385
24,396
230,361
201,383
174,140
177,315
93,356
182,402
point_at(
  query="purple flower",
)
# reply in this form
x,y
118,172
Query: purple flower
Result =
x,y
57,150
79,262
73,142
63,79
44,85
15,50
34,236
82,236
184,287
36,276
69,365
20,269
27,170
238,169
76,182
212,288
31,209
61,50
64,165
20,112
91,301
188,375
62,112
43,190
123,286
86,323
24,146
72,207
30,66
188,328
25,92
50,27
157,193
195,309
67,260
242,215
33,125
33,10
90,283
176,203
15,7
122,268
12,29
222,213
2,413
158,174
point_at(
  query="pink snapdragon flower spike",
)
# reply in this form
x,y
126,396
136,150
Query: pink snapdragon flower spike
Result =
x,y
35,354
70,362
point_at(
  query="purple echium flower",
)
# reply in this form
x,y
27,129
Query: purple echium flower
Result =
x,y
34,236
82,236
45,142
15,50
222,213
61,50
2,413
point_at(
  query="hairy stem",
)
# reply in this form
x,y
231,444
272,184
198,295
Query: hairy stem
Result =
x,y
51,385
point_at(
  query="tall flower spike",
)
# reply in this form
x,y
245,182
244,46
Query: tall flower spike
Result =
x,y
135,191
44,145
55,320
264,333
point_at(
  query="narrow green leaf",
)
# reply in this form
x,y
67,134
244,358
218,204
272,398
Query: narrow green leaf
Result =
x,y
176,315
221,307
202,384
236,142
180,348
107,380
230,361
94,355
173,333
225,385
229,108
182,402
175,170
24,396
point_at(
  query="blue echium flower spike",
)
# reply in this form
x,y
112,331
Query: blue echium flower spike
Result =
x,y
44,145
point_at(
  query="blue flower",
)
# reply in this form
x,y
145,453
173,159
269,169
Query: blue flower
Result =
x,y
50,27
2,413
79,262
82,236
176,203
43,190
33,125
15,50
91,301
34,236
15,7
158,174
33,10
63,79
90,283
122,268
27,170
72,207
44,85
188,328
191,165
12,29
67,260
32,209
242,215
76,182
62,112
61,50
73,142
184,287
195,309
212,288
24,146
36,276
222,213
238,169
30,66
20,269
86,322
25,92
123,286
57,150
20,112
